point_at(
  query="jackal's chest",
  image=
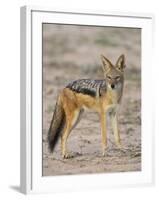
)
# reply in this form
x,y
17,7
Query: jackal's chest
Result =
x,y
112,108
113,97
111,102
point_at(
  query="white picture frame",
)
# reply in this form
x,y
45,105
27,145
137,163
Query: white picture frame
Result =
x,y
31,100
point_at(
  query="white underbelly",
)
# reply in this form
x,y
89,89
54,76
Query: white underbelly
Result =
x,y
94,109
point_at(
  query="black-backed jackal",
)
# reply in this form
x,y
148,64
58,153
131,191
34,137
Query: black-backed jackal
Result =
x,y
101,96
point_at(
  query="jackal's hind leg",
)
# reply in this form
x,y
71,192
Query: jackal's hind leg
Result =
x,y
71,122
64,137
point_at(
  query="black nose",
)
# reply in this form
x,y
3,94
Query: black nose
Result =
x,y
112,86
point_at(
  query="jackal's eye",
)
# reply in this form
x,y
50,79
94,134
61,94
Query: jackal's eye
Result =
x,y
117,78
109,77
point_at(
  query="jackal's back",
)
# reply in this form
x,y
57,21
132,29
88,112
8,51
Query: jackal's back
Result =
x,y
89,87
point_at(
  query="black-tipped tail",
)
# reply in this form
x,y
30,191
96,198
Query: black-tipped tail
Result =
x,y
56,126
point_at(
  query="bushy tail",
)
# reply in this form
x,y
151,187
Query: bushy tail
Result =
x,y
56,126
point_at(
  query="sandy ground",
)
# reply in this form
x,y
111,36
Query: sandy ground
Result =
x,y
73,52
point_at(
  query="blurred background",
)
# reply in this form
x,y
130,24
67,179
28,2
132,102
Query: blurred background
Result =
x,y
72,52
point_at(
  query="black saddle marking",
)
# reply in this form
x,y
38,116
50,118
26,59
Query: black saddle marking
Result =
x,y
88,87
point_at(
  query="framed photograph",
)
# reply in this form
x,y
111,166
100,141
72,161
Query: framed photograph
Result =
x,y
86,100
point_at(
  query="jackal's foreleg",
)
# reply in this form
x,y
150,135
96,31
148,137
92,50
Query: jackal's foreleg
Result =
x,y
103,131
114,122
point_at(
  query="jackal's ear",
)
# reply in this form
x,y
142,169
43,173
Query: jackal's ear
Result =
x,y
106,64
120,64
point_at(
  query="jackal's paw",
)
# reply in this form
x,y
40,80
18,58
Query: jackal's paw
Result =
x,y
104,152
119,146
67,156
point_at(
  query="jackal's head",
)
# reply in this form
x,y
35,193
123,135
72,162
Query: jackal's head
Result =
x,y
114,74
